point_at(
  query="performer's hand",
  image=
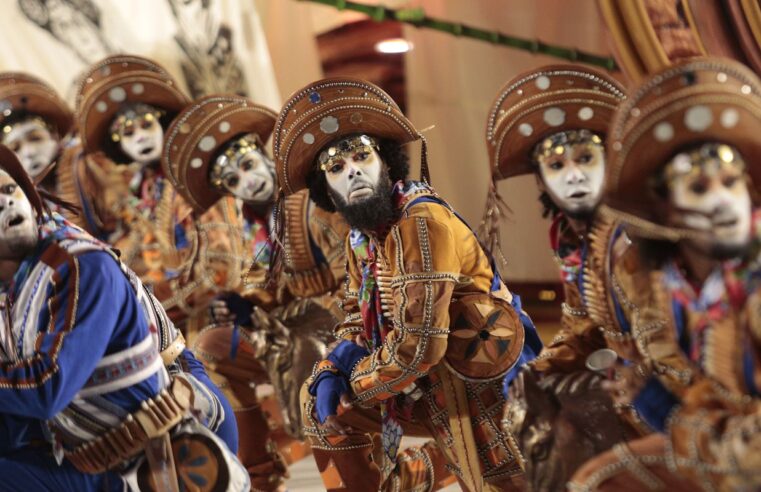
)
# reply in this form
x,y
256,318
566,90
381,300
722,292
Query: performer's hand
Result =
x,y
361,341
626,383
219,312
334,426
231,307
331,393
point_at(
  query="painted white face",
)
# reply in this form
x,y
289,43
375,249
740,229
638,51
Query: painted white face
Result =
x,y
33,144
142,140
711,195
250,177
573,176
18,227
354,175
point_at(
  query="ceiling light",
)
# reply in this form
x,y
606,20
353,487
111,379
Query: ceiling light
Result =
x,y
393,46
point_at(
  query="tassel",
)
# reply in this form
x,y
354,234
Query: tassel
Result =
x,y
425,173
58,201
277,237
489,229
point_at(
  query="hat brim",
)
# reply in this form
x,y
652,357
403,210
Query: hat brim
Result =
x,y
330,122
102,102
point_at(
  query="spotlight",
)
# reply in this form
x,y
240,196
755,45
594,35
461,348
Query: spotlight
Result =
x,y
393,46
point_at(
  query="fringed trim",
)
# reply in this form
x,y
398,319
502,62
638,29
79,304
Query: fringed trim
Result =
x,y
50,197
489,230
425,172
277,237
596,273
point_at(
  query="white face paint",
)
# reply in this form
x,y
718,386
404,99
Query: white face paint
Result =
x,y
33,144
574,176
711,196
18,227
142,140
354,175
250,177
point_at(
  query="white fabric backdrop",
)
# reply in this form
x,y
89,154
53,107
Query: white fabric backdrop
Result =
x,y
145,27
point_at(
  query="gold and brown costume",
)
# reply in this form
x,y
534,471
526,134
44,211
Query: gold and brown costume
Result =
x,y
704,404
187,259
288,331
525,113
448,335
438,278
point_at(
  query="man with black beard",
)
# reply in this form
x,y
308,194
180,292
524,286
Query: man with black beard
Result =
x,y
366,205
430,328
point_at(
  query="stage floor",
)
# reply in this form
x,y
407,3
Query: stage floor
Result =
x,y
305,478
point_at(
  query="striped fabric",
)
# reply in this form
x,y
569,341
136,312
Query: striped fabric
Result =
x,y
77,346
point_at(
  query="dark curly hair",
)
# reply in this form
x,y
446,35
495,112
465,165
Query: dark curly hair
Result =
x,y
549,209
390,151
22,116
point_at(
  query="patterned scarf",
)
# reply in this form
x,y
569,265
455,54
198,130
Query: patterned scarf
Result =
x,y
147,185
709,303
567,249
256,232
726,289
376,325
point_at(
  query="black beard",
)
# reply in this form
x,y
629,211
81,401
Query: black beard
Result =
x,y
724,252
580,215
371,214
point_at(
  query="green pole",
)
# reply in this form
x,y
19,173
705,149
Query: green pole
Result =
x,y
418,18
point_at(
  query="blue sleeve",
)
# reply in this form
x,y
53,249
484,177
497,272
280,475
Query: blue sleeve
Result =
x,y
532,344
654,404
74,327
227,430
346,355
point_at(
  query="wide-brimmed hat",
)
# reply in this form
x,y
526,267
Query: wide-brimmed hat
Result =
x,y
115,81
544,101
325,111
22,94
695,101
197,135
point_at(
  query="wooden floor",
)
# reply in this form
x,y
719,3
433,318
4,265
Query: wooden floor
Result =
x,y
305,478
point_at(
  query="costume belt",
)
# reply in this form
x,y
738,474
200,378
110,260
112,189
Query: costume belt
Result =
x,y
170,354
155,418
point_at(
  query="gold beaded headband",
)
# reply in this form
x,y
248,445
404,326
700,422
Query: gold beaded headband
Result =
x,y
8,128
344,147
131,118
695,161
557,144
232,153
